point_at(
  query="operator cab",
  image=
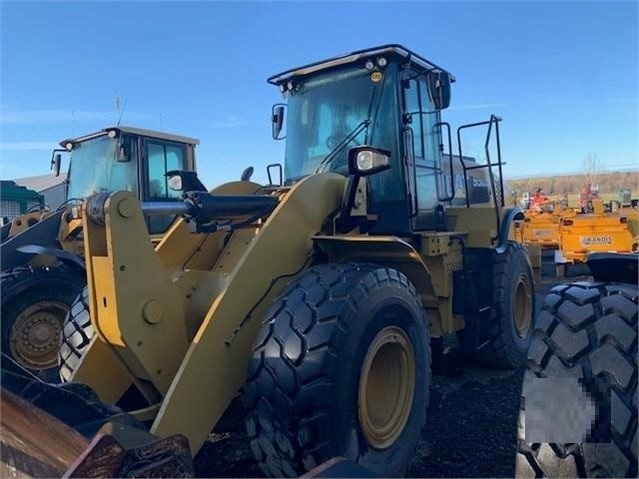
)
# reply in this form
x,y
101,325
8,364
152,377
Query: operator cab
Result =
x,y
388,98
126,158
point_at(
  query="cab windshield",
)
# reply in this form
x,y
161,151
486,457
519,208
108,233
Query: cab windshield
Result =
x,y
95,169
332,112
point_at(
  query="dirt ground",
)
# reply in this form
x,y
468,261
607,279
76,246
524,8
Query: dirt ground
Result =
x,y
470,427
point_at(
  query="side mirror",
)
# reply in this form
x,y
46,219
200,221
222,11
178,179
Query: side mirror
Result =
x,y
277,120
366,160
439,88
55,163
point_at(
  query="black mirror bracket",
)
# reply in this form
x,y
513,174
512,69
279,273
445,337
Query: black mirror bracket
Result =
x,y
277,120
56,160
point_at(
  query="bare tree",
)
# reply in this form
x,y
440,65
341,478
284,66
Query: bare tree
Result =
x,y
593,167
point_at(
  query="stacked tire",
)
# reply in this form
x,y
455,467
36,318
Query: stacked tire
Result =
x,y
588,332
76,335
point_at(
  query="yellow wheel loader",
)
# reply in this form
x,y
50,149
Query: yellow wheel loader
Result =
x,y
41,254
321,298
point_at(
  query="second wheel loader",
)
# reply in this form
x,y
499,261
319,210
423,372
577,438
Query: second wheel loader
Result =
x,y
41,253
322,298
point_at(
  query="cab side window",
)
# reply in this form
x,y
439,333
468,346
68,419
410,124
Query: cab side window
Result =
x,y
163,157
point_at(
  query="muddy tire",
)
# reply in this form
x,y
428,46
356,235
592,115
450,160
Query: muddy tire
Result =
x,y
588,331
512,312
76,335
34,303
341,367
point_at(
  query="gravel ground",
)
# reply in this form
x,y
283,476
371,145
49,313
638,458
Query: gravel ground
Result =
x,y
470,427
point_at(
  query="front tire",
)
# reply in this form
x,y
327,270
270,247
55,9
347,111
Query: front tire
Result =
x,y
35,301
341,367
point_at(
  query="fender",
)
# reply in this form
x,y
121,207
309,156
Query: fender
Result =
x,y
43,233
508,219
383,250
69,259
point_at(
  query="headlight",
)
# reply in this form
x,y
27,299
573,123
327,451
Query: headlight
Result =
x,y
175,182
366,160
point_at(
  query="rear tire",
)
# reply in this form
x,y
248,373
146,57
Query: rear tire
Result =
x,y
587,330
35,301
341,367
76,336
512,312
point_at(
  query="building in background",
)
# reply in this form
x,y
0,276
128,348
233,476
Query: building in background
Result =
x,y
52,187
16,200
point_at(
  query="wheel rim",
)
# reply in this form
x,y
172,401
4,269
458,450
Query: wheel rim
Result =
x,y
386,387
523,306
34,339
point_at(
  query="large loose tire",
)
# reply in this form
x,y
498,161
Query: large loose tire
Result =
x,y
35,301
512,312
587,330
341,367
76,335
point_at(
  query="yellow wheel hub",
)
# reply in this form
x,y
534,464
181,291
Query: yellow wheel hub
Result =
x,y
34,339
386,387
523,306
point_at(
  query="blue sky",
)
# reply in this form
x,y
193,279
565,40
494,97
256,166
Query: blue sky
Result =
x,y
564,76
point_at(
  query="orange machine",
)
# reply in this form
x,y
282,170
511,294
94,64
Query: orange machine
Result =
x,y
581,234
542,227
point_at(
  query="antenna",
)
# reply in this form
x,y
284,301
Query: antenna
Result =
x,y
117,107
121,113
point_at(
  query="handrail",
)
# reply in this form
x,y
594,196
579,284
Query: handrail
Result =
x,y
489,164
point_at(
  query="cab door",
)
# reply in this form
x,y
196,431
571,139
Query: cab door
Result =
x,y
422,138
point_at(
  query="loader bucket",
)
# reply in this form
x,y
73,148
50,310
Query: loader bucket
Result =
x,y
35,443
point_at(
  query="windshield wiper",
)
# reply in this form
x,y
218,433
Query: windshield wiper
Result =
x,y
333,153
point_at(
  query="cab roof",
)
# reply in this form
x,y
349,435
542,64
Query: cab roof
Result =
x,y
390,49
133,131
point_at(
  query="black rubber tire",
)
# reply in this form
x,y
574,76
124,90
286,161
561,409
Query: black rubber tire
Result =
x,y
26,286
587,330
76,335
302,389
506,349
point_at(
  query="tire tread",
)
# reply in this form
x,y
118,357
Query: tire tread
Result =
x,y
611,351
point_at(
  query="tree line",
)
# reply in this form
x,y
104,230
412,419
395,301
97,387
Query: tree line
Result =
x,y
609,182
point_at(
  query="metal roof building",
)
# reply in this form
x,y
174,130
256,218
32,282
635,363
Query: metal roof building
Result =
x,y
52,187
